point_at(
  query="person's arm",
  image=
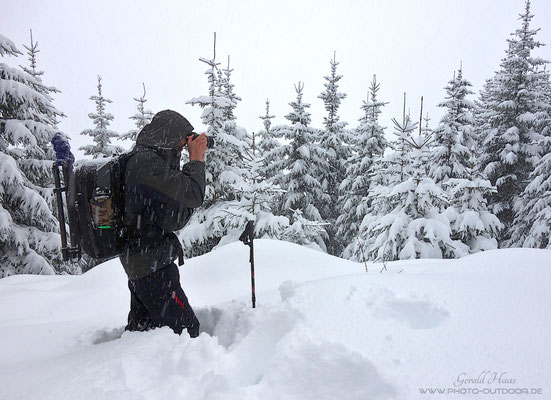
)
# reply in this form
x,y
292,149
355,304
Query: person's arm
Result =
x,y
186,187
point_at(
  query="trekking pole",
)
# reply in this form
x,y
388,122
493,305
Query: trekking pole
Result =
x,y
247,237
70,253
60,212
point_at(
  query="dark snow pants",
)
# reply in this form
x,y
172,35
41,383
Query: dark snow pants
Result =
x,y
158,300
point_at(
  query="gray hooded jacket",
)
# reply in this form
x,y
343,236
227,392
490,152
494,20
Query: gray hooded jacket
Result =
x,y
159,197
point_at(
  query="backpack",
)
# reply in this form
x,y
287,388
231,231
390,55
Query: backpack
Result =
x,y
96,206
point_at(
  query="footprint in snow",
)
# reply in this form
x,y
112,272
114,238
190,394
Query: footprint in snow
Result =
x,y
208,318
107,335
418,314
229,324
214,321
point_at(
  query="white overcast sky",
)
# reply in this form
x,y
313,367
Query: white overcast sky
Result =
x,y
412,46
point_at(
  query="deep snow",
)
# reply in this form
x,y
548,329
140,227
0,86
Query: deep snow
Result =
x,y
323,329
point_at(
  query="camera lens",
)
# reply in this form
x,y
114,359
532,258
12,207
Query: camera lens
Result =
x,y
210,140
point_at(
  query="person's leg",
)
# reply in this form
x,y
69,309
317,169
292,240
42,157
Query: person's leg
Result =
x,y
166,301
139,318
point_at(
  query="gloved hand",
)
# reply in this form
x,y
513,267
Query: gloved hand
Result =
x,y
62,149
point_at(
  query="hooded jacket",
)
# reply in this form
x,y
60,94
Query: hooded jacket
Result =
x,y
159,197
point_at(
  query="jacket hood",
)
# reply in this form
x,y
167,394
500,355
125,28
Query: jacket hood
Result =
x,y
164,131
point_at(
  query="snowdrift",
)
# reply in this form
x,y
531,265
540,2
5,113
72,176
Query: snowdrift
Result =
x,y
324,329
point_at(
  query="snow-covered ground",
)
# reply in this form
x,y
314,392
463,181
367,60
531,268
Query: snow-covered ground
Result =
x,y
323,329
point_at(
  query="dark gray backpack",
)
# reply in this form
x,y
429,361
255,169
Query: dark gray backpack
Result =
x,y
95,206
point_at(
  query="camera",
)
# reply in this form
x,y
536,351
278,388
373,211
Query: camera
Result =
x,y
210,140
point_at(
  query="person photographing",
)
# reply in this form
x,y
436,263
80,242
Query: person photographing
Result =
x,y
159,200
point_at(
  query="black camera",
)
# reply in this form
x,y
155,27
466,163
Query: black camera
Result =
x,y
210,140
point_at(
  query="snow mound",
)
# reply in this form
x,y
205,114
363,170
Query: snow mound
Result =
x,y
323,329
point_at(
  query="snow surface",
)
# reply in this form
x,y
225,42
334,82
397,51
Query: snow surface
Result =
x,y
323,329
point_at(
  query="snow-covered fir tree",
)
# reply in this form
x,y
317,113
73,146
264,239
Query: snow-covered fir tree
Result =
x,y
253,202
511,104
225,161
385,175
453,138
470,221
227,89
275,166
37,166
391,170
257,195
332,171
454,167
532,226
236,141
406,220
29,241
225,208
401,146
265,144
101,134
141,118
32,69
195,238
265,140
300,158
368,143
212,117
